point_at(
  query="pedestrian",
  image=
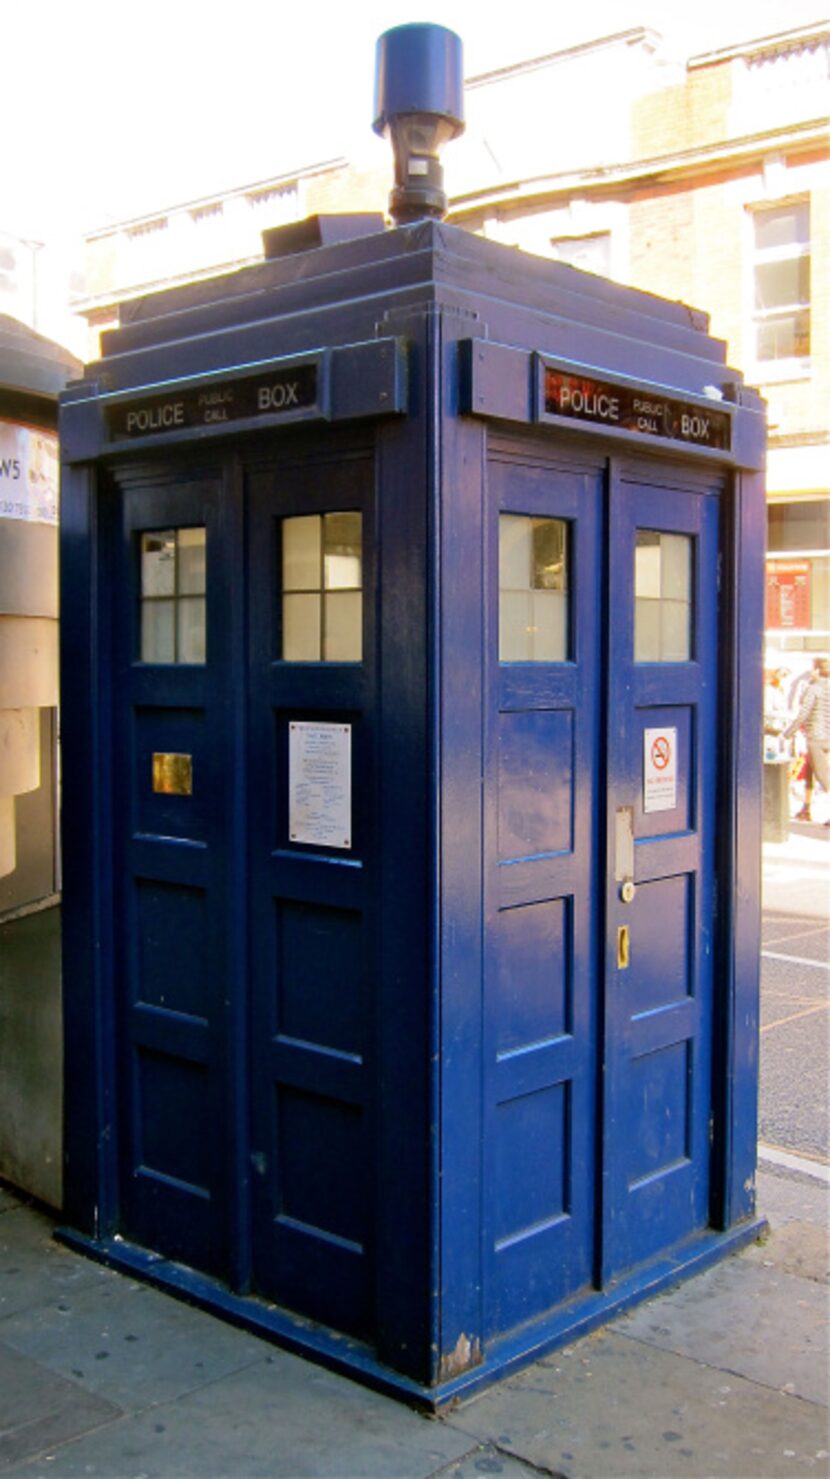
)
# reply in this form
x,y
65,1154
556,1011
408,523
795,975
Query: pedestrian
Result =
x,y
814,718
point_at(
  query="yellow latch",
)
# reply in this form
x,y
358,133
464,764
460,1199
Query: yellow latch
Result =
x,y
623,956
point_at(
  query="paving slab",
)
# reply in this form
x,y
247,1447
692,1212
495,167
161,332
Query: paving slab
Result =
x,y
8,1201
611,1407
33,1267
39,1409
485,1459
798,1248
130,1343
742,1317
280,1418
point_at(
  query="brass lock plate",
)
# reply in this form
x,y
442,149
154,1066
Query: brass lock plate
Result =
x,y
173,774
623,948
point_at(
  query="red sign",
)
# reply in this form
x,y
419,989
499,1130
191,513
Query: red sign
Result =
x,y
788,593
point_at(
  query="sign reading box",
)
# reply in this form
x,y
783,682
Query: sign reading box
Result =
x,y
320,784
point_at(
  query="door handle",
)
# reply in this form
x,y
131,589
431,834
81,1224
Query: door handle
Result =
x,y
627,890
623,948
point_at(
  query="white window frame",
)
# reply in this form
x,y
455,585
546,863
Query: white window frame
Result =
x,y
790,366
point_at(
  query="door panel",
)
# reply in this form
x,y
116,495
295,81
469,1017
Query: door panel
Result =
x,y
540,851
172,873
311,967
661,713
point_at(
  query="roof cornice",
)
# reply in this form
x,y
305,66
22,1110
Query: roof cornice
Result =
x,y
659,169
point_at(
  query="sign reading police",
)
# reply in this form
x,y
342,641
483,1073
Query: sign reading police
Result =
x,y
283,391
622,408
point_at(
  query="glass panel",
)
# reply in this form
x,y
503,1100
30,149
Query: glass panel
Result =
x,y
647,566
646,630
780,284
533,583
515,552
548,555
515,642
674,631
787,225
158,631
342,551
343,627
785,338
301,555
190,621
549,613
662,597
676,567
301,628
158,563
192,562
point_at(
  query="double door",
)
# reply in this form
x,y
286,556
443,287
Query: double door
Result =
x,y
243,736
599,869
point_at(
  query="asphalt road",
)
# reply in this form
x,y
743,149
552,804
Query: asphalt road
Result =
x,y
795,998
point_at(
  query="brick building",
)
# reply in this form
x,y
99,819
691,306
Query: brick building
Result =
x,y
704,179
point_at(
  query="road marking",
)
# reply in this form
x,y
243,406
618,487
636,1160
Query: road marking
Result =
x,y
820,965
819,929
808,1012
815,1166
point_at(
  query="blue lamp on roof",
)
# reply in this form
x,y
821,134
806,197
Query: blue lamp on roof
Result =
x,y
419,104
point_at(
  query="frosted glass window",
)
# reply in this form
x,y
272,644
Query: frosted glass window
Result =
x,y
662,597
533,589
173,583
322,581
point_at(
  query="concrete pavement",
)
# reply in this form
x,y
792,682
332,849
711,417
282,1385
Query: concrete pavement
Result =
x,y
726,1375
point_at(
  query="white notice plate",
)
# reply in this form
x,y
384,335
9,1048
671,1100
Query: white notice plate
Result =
x,y
320,784
659,769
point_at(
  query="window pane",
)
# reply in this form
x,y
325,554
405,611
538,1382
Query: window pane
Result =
x,y
782,284
787,225
158,563
190,619
343,641
342,551
301,628
549,626
192,553
515,552
533,584
515,622
301,554
158,631
787,337
662,597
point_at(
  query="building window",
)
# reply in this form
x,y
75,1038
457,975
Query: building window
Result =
x,y
781,282
798,575
591,253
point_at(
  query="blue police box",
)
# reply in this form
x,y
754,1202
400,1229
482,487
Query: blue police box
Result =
x,y
412,610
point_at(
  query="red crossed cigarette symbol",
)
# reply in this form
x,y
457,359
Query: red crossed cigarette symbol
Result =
x,y
660,752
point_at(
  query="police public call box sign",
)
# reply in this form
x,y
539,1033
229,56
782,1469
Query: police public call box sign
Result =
x,y
628,408
283,391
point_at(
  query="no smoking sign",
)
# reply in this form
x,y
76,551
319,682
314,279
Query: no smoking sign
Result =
x,y
659,769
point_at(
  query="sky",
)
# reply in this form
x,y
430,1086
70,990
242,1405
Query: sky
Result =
x,y
111,108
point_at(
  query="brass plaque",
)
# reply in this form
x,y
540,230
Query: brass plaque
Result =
x,y
173,774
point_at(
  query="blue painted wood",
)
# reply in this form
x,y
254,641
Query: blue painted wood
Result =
x,y
658,1010
395,1056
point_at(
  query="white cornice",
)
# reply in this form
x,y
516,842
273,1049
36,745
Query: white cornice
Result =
x,y
658,169
803,38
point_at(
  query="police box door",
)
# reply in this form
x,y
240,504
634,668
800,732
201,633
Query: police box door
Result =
x,y
599,833
662,773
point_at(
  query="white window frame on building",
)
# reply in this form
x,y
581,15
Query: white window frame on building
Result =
x,y
771,318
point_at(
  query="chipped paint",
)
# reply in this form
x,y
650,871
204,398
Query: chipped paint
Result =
x,y
467,1353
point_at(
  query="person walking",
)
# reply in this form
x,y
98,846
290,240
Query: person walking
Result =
x,y
814,718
